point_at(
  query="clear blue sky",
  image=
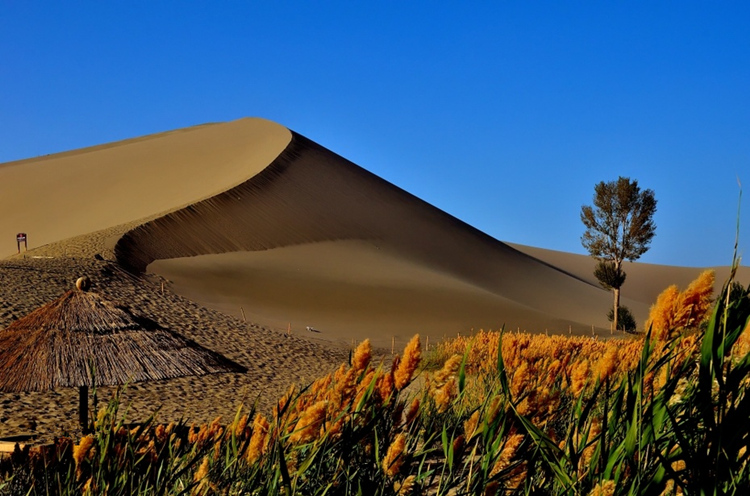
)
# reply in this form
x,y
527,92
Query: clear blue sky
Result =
x,y
504,114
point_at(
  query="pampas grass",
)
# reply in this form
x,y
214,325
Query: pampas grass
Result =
x,y
665,413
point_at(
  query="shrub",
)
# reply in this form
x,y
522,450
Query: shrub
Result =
x,y
625,319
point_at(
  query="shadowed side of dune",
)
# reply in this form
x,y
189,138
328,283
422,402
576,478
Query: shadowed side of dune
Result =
x,y
311,195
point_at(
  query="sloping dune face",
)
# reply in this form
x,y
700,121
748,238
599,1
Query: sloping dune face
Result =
x,y
315,240
69,194
251,218
644,281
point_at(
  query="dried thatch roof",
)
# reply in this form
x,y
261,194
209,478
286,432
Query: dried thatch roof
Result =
x,y
55,346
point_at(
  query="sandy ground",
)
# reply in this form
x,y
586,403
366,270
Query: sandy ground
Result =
x,y
274,360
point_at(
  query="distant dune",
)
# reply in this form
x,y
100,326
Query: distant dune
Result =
x,y
250,218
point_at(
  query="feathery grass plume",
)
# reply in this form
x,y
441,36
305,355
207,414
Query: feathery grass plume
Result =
x,y
444,395
89,487
458,446
362,356
192,434
695,301
742,347
360,390
200,477
385,386
675,310
80,451
308,425
512,443
408,364
591,445
406,486
160,432
494,409
661,317
604,488
521,379
321,385
239,428
394,458
450,367
579,377
470,426
412,411
257,446
607,364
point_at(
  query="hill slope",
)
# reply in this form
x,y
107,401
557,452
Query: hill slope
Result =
x,y
250,218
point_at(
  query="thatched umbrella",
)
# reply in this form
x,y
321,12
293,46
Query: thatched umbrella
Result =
x,y
58,345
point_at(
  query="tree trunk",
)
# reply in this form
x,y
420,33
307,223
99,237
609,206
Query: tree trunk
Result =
x,y
617,306
83,408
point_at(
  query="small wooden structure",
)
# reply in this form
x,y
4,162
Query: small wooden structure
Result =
x,y
22,238
61,343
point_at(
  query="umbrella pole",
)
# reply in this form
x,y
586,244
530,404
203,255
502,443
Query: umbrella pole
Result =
x,y
83,408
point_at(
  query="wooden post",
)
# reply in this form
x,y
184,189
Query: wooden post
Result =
x,y
83,408
162,287
592,330
393,345
289,329
570,329
427,344
243,314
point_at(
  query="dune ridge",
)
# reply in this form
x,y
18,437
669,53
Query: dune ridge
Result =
x,y
222,210
308,195
60,196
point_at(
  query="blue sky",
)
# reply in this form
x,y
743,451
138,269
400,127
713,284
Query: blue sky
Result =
x,y
503,114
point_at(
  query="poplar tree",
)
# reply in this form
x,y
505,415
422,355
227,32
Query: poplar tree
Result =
x,y
619,226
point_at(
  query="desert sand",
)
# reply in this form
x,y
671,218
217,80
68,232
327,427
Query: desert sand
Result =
x,y
254,230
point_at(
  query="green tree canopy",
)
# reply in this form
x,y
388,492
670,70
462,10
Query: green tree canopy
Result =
x,y
620,224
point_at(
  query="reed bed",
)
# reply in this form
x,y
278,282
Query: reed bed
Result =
x,y
665,413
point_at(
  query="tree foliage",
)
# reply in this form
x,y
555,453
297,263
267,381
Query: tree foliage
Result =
x,y
620,224
609,276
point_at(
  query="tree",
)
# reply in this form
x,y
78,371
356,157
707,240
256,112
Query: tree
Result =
x,y
619,226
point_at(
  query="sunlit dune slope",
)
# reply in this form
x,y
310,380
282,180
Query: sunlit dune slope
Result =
x,y
59,196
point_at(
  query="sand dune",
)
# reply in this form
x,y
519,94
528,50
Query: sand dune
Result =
x,y
644,281
250,217
60,196
308,196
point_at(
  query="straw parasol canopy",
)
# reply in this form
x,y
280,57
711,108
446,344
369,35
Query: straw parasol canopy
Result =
x,y
59,344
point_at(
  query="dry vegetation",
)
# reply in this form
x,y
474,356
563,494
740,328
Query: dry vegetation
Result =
x,y
503,413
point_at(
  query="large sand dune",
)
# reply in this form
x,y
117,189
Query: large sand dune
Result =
x,y
249,217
